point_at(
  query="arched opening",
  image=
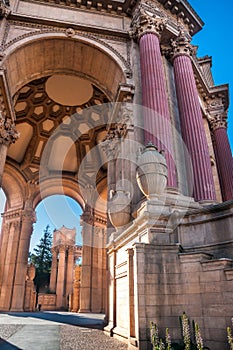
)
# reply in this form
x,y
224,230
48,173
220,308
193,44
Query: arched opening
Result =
x,y
56,236
56,211
58,135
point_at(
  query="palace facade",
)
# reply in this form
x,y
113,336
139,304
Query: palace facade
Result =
x,y
108,102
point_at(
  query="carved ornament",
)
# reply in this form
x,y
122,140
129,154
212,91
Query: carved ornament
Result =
x,y
146,21
4,8
70,32
125,119
218,121
8,133
111,143
216,114
88,216
181,46
29,215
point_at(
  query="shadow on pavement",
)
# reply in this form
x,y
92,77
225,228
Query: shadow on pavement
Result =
x,y
86,321
4,345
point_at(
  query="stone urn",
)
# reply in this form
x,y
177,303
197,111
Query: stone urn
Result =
x,y
31,272
151,172
119,208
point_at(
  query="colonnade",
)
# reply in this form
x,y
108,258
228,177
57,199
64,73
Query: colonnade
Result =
x,y
147,30
64,254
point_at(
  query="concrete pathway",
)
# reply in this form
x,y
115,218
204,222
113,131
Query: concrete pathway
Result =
x,y
41,330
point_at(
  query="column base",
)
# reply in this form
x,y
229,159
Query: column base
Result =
x,y
15,309
84,311
208,202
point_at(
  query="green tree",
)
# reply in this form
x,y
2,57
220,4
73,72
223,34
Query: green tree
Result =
x,y
41,257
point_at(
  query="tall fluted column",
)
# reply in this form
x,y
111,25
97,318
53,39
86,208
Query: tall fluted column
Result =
x,y
192,127
61,276
53,276
28,218
156,114
70,271
218,124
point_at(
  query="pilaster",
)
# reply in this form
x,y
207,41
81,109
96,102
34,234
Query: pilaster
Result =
x,y
130,275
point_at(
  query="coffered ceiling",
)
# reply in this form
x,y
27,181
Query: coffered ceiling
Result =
x,y
70,113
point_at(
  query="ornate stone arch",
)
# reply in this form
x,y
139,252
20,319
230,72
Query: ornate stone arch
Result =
x,y
60,186
13,185
81,54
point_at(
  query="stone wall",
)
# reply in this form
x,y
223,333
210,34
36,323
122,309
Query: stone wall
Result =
x,y
159,280
173,282
47,301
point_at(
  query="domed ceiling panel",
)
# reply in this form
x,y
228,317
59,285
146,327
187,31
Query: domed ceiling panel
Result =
x,y
17,150
67,106
63,156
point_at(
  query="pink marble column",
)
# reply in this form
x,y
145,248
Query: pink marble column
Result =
x,y
224,160
157,124
192,127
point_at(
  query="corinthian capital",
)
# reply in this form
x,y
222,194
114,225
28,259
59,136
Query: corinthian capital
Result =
x,y
181,45
8,133
216,114
29,215
218,121
145,21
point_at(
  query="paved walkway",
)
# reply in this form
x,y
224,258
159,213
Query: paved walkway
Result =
x,y
54,331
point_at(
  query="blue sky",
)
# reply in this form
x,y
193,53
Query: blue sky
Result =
x,y
214,40
56,211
